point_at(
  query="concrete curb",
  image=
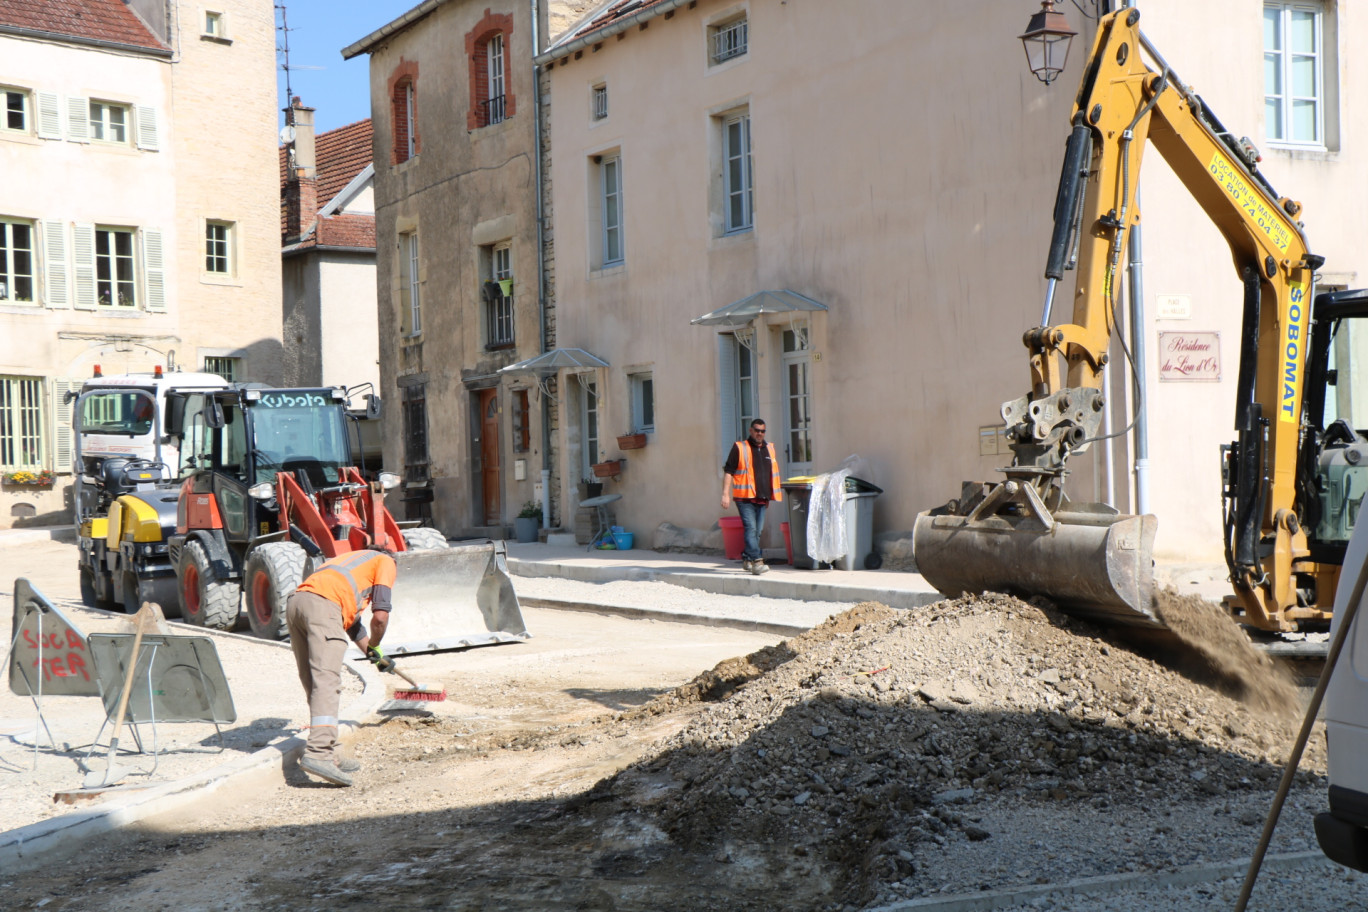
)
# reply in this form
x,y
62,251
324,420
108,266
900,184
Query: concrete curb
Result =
x,y
768,586
1106,883
673,617
29,846
11,538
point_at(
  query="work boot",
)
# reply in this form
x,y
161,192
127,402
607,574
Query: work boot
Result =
x,y
325,770
347,764
747,565
759,567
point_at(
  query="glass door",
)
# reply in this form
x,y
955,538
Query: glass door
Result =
x,y
797,361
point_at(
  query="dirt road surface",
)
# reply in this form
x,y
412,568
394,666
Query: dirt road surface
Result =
x,y
888,757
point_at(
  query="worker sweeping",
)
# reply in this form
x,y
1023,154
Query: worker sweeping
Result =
x,y
322,614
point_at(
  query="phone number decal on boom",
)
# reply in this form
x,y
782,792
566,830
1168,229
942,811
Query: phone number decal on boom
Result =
x,y
1248,199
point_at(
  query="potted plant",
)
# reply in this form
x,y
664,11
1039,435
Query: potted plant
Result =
x,y
527,522
33,478
631,441
609,469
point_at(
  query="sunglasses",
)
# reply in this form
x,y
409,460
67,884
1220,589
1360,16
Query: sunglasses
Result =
x,y
757,430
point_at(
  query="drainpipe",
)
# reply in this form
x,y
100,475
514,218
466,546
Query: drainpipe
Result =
x,y
541,260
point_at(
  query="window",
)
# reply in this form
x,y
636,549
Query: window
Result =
x,y
522,422
213,25
415,432
114,284
16,110
16,262
728,40
1294,67
410,278
745,389
737,173
589,426
598,108
108,122
796,359
227,368
218,247
498,296
405,112
610,186
21,422
494,103
643,402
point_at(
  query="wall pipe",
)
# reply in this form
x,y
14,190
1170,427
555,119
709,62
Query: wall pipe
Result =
x,y
541,261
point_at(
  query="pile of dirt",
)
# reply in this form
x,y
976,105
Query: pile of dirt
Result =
x,y
880,729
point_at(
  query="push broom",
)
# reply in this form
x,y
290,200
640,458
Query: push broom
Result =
x,y
414,691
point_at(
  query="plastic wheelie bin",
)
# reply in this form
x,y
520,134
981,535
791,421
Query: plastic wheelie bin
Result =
x,y
859,521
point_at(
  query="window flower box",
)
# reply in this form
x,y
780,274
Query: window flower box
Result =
x,y
631,441
607,469
30,478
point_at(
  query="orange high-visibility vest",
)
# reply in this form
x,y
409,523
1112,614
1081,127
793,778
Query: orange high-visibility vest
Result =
x,y
743,479
347,580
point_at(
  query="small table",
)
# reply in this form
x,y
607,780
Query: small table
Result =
x,y
601,521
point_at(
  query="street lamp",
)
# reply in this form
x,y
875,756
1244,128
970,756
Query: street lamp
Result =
x,y
1047,41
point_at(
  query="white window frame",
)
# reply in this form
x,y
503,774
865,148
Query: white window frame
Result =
x,y
1279,61
610,211
797,360
22,443
591,427
643,401
25,110
598,101
495,103
113,258
411,141
8,273
214,25
102,123
728,40
219,250
738,175
411,281
500,330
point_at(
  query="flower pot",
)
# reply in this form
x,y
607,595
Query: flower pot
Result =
x,y
631,441
526,528
607,469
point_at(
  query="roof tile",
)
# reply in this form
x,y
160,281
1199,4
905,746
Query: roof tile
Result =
x,y
103,20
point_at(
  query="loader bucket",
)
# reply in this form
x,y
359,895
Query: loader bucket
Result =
x,y
1096,567
453,598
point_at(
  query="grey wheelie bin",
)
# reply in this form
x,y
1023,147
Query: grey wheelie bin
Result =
x,y
859,521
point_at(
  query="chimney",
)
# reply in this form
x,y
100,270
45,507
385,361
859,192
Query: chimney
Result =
x,y
301,184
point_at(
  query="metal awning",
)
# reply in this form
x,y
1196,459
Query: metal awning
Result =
x,y
557,359
741,312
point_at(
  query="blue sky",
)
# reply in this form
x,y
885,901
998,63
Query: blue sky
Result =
x,y
320,29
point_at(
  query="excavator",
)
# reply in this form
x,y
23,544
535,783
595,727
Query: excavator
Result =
x,y
1294,477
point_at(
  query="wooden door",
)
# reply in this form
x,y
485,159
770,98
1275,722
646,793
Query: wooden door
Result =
x,y
489,456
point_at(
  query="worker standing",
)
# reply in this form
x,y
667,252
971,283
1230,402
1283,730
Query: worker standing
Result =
x,y
322,614
750,479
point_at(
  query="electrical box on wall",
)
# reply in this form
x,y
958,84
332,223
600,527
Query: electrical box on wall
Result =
x,y
520,470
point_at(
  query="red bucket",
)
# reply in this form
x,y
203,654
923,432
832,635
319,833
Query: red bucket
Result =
x,y
733,536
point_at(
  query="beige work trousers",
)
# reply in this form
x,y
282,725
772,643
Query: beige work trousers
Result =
x,y
319,643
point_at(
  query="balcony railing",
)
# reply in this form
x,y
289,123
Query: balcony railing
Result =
x,y
493,110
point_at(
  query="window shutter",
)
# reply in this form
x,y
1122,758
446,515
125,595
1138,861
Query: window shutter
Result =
x,y
83,258
154,271
147,129
726,386
64,451
56,292
78,119
49,115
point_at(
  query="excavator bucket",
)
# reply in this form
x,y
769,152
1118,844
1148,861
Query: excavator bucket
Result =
x,y
1098,566
453,598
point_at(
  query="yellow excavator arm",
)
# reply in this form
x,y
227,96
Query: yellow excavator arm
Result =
x,y
1024,534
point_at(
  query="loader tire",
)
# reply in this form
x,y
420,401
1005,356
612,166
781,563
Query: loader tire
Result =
x,y
424,540
87,586
206,600
274,571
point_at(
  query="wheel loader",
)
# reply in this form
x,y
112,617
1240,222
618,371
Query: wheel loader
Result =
x,y
125,501
1294,478
269,489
